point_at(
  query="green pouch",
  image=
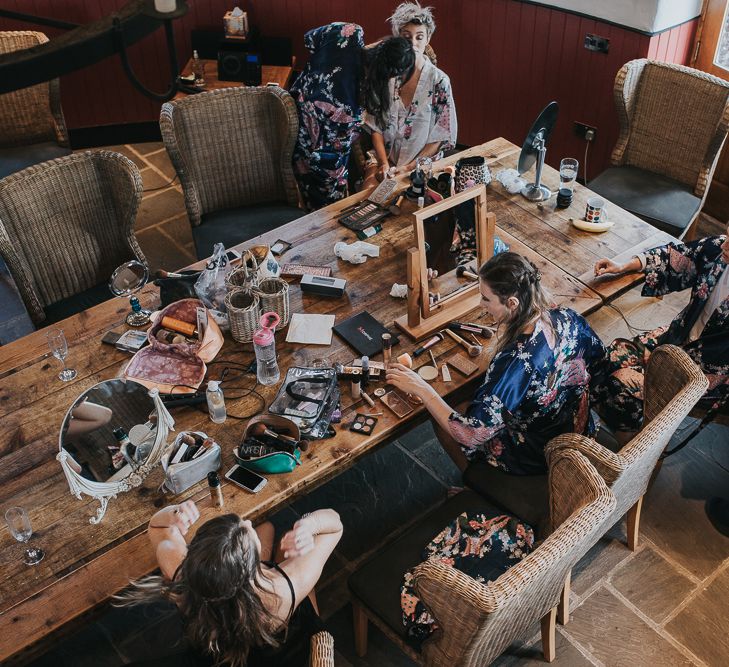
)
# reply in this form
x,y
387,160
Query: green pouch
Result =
x,y
270,463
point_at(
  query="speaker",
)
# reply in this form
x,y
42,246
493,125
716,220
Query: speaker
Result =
x,y
237,63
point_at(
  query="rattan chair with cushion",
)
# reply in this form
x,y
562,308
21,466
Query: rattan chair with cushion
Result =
x,y
478,622
32,128
232,149
65,225
322,650
673,385
673,122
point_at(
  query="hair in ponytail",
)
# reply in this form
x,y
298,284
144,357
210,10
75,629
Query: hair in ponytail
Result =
x,y
509,274
390,58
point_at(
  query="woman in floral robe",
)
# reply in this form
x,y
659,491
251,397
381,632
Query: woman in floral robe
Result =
x,y
537,386
701,328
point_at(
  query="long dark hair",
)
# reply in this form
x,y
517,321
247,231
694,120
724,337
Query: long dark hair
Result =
x,y
392,57
216,590
509,274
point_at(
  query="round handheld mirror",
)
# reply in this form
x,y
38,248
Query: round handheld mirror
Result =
x,y
127,279
428,373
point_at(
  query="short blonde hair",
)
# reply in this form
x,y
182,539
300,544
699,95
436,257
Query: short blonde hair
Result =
x,y
412,12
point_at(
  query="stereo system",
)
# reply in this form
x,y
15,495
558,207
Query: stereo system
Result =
x,y
237,63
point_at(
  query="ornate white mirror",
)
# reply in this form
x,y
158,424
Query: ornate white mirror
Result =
x,y
111,437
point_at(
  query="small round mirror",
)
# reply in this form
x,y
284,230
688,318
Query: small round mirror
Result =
x,y
110,430
127,279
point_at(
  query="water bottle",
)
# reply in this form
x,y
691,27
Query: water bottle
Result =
x,y
265,346
216,402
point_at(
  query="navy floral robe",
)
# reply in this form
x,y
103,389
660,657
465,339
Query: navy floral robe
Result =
x,y
327,99
671,268
534,390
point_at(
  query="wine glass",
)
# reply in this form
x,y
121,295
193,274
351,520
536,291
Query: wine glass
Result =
x,y
20,528
59,348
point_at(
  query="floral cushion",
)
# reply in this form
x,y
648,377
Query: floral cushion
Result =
x,y
481,546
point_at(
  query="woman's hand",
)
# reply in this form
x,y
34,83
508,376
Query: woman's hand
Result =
x,y
180,516
408,381
300,539
603,266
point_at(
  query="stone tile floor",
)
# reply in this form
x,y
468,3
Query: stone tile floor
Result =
x,y
666,603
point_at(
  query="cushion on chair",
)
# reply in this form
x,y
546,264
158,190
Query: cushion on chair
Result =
x,y
75,304
659,200
377,582
235,225
525,496
17,158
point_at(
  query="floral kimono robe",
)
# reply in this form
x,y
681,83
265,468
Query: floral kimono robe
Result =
x,y
430,118
671,268
533,390
327,100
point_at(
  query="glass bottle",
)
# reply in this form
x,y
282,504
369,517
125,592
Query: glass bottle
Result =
x,y
264,345
216,402
198,69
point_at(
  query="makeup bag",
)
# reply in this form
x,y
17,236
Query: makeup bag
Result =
x,y
264,454
181,286
177,368
181,476
472,169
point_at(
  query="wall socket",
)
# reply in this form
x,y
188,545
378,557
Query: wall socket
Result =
x,y
581,130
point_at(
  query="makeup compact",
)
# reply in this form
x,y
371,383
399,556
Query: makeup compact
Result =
x,y
462,364
363,424
397,404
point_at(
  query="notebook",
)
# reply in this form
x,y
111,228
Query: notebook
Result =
x,y
310,329
364,333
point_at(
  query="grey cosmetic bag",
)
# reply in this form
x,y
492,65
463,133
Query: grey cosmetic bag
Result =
x,y
181,476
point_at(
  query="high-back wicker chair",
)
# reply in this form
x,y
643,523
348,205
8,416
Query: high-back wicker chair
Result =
x,y
232,149
321,653
65,225
673,122
673,385
477,622
32,127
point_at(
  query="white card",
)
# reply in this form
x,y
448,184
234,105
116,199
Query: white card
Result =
x,y
310,329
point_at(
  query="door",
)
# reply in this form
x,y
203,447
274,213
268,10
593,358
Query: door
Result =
x,y
711,54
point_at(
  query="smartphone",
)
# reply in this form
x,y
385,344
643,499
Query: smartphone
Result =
x,y
246,479
233,256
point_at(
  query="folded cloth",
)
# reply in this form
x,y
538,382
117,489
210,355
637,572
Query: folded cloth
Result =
x,y
356,253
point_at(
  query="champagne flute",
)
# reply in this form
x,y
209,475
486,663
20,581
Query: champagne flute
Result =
x,y
59,348
20,528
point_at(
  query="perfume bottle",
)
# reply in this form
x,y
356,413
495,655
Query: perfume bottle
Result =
x,y
198,69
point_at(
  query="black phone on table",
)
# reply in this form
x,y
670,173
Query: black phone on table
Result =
x,y
246,479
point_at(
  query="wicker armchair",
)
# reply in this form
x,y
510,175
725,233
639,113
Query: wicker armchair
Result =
x,y
322,650
673,122
32,128
232,149
478,622
65,225
673,385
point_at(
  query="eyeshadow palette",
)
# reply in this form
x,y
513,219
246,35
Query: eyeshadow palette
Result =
x,y
288,270
397,404
363,424
462,364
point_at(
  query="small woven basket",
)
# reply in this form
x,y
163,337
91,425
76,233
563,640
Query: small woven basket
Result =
x,y
273,294
244,313
246,275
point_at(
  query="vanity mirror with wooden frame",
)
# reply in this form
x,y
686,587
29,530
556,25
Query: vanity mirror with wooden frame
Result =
x,y
111,438
458,295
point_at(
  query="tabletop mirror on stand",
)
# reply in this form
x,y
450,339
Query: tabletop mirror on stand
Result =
x,y
111,438
457,292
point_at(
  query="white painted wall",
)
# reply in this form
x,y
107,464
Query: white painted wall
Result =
x,y
645,15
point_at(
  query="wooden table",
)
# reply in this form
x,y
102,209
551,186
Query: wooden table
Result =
x,y
278,74
85,564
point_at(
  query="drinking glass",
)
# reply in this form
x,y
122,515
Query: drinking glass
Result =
x,y
568,173
59,348
20,528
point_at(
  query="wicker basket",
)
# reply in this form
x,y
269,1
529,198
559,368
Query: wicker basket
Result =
x,y
244,313
274,297
246,275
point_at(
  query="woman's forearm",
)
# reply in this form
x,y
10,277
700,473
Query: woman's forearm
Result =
x,y
378,143
439,410
324,521
632,266
428,151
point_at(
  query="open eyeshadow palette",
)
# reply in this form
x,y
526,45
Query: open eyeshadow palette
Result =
x,y
363,424
397,404
373,209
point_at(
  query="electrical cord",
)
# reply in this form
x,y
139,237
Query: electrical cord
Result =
x,y
584,163
625,319
161,187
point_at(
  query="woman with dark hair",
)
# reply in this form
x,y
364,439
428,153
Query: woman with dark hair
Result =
x,y
536,386
238,607
341,77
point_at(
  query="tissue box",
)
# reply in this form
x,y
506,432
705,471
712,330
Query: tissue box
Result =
x,y
236,26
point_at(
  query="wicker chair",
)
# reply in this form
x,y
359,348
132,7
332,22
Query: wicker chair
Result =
x,y
477,622
322,650
232,150
65,225
32,128
673,122
674,383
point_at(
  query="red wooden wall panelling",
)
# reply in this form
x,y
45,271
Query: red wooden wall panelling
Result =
x,y
506,60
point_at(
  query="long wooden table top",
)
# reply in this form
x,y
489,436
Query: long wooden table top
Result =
x,y
85,564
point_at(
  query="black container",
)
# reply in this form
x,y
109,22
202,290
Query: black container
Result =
x,y
564,198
